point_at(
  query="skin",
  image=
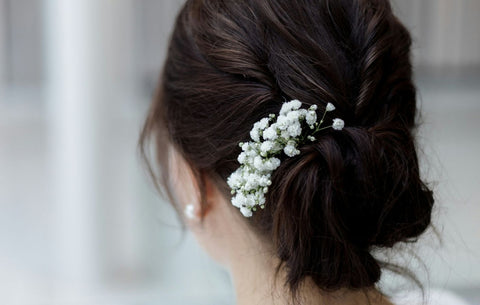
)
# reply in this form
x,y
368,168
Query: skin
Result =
x,y
251,263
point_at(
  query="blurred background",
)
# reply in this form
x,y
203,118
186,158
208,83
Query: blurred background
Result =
x,y
80,222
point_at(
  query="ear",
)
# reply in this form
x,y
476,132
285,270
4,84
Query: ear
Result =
x,y
184,181
211,195
199,207
189,185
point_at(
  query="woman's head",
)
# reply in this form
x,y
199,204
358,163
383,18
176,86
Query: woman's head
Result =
x,y
231,63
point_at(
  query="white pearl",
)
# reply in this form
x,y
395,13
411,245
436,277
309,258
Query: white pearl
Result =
x,y
189,211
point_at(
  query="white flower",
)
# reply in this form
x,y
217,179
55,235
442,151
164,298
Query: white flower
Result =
x,y
270,133
252,182
292,143
266,146
282,122
255,134
239,200
258,159
296,104
303,113
242,157
235,179
263,123
338,124
291,149
252,151
311,117
251,200
293,115
285,134
294,130
264,181
258,163
330,107
288,106
272,164
246,211
261,198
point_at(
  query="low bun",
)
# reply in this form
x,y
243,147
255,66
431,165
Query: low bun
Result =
x,y
341,196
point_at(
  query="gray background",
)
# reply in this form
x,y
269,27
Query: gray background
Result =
x,y
79,221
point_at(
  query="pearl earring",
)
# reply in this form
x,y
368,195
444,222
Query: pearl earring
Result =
x,y
190,211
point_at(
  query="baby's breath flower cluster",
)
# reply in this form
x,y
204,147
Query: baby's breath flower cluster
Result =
x,y
259,158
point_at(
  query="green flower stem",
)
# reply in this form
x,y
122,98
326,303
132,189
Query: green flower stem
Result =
x,y
321,120
322,128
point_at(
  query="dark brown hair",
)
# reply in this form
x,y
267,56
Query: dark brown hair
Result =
x,y
232,62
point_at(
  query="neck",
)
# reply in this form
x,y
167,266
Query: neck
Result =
x,y
253,276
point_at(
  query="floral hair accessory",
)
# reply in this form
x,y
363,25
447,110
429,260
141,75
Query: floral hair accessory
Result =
x,y
259,158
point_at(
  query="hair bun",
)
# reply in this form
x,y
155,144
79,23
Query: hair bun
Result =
x,y
343,194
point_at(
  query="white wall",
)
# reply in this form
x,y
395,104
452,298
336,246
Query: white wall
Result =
x,y
445,32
